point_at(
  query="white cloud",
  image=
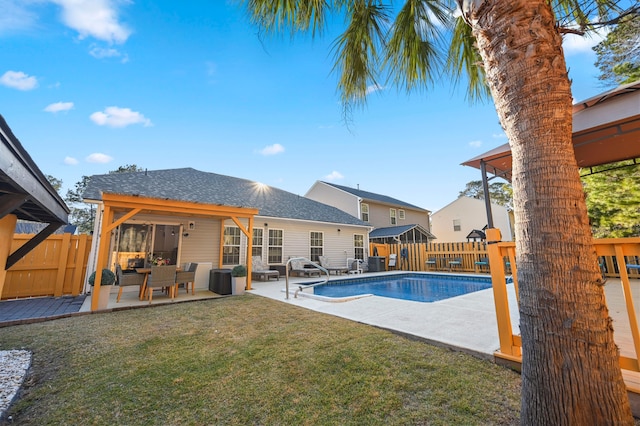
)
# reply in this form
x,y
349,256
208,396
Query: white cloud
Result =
x,y
94,18
475,144
373,88
274,149
119,117
18,80
574,44
98,157
334,176
70,161
499,135
15,16
59,106
101,52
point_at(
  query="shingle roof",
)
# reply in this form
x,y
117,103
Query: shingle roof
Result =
x,y
365,195
210,188
396,231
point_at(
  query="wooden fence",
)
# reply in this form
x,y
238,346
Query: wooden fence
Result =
x,y
56,267
416,255
440,254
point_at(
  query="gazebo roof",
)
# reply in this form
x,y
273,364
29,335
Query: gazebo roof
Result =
x,y
606,129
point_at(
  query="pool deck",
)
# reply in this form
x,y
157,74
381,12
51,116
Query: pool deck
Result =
x,y
466,323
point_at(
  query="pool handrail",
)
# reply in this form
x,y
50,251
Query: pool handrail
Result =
x,y
287,274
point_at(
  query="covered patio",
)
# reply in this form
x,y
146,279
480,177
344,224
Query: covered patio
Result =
x,y
119,208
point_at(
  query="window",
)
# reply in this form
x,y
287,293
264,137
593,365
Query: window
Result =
x,y
401,214
364,211
275,246
315,243
456,225
392,215
257,242
358,246
231,246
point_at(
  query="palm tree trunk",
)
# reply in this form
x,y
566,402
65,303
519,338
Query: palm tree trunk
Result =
x,y
570,369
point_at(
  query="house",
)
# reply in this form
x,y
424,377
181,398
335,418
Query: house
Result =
x,y
465,219
26,195
186,215
393,220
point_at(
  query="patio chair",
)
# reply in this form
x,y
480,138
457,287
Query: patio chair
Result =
x,y
298,267
127,280
259,271
483,263
161,278
187,278
455,262
324,262
431,262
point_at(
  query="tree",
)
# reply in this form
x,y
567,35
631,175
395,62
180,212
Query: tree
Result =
x,y
55,182
500,193
81,214
570,361
613,200
618,56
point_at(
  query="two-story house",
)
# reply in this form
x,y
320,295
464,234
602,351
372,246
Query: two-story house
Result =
x,y
393,220
464,219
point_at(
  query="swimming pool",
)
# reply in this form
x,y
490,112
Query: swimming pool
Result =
x,y
412,286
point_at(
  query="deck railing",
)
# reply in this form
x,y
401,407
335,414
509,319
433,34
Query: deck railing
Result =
x,y
614,254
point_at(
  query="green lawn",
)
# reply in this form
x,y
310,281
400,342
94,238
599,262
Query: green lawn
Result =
x,y
248,360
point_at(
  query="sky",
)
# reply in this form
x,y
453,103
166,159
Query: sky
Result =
x,y
88,86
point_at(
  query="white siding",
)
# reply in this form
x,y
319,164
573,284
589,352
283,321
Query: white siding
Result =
x,y
337,245
472,215
334,197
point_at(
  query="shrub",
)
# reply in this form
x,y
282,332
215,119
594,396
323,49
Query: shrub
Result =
x,y
239,271
107,278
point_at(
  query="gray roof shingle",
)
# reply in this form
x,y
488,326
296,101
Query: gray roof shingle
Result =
x,y
192,185
365,195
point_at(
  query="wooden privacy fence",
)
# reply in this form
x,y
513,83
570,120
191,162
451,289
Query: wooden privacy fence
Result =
x,y
56,267
414,256
417,255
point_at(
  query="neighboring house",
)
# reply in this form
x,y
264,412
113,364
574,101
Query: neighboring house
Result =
x,y
393,220
26,227
26,195
466,218
186,215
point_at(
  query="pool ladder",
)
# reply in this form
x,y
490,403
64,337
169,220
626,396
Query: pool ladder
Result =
x,y
300,288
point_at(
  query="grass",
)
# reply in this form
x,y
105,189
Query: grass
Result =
x,y
248,360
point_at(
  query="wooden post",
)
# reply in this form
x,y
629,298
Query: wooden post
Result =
x,y
7,228
498,279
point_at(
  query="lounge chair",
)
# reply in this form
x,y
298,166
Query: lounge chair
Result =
x,y
298,268
392,260
356,266
631,266
324,262
261,272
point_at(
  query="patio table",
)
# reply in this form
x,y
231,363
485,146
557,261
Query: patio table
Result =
x,y
147,272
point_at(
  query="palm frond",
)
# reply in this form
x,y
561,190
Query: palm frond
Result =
x,y
356,49
464,59
414,52
295,15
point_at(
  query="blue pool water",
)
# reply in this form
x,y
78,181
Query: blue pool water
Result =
x,y
417,287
